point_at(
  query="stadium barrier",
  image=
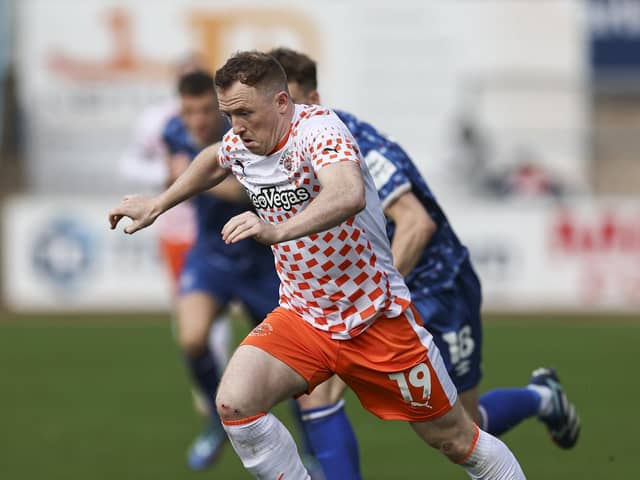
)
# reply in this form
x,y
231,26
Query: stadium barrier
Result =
x,y
59,255
582,255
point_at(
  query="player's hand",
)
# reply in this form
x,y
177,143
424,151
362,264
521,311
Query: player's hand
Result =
x,y
246,225
138,208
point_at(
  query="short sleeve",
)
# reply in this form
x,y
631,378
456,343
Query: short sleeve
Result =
x,y
385,167
331,143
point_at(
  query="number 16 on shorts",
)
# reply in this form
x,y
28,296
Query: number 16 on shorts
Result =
x,y
418,377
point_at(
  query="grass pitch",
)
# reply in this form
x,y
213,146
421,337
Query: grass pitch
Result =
x,y
103,398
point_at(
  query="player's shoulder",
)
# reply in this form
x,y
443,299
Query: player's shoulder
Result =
x,y
315,122
349,119
312,117
363,131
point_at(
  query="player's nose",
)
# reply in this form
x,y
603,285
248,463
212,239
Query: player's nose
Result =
x,y
237,126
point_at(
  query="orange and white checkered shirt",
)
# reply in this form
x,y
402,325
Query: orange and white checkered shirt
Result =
x,y
339,280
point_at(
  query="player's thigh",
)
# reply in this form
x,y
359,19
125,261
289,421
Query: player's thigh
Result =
x,y
204,291
253,382
453,433
194,314
327,393
396,370
287,337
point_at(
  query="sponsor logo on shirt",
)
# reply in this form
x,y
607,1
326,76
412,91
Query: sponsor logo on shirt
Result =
x,y
270,197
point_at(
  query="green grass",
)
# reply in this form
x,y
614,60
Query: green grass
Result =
x,y
99,398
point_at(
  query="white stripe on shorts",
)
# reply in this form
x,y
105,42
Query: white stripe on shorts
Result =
x,y
433,354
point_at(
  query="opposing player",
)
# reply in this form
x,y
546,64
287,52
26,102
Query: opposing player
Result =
x,y
214,273
344,309
444,289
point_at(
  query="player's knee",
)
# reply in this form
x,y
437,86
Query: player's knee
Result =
x,y
455,449
455,443
231,406
192,341
452,434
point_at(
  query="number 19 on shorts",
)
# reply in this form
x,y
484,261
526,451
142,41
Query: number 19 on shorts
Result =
x,y
418,377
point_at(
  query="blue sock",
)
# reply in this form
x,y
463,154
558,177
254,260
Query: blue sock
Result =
x,y
304,437
332,441
504,408
205,373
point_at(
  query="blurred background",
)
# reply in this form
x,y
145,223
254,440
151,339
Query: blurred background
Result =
x,y
523,116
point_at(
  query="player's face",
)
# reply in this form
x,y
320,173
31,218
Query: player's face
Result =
x,y
255,115
201,116
302,95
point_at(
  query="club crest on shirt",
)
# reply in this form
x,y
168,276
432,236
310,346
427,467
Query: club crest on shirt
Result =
x,y
287,162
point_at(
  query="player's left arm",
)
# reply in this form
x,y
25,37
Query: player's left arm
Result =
x,y
203,173
414,230
342,196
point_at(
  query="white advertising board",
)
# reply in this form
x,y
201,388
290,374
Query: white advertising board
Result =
x,y
580,256
59,255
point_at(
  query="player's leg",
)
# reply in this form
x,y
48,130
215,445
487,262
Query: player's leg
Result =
x,y
469,400
195,311
501,409
259,292
398,373
219,345
280,358
482,455
328,430
203,294
453,317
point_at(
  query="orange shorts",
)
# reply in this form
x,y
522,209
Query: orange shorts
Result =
x,y
174,253
394,367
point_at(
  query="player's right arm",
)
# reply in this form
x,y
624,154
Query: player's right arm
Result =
x,y
203,173
414,229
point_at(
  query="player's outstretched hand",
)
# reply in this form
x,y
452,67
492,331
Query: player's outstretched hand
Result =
x,y
246,225
138,208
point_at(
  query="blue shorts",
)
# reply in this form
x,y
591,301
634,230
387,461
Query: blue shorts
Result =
x,y
453,318
251,280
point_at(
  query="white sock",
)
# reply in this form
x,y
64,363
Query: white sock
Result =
x,y
266,448
546,405
491,459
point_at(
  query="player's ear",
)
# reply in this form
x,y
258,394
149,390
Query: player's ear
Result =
x,y
314,97
282,100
